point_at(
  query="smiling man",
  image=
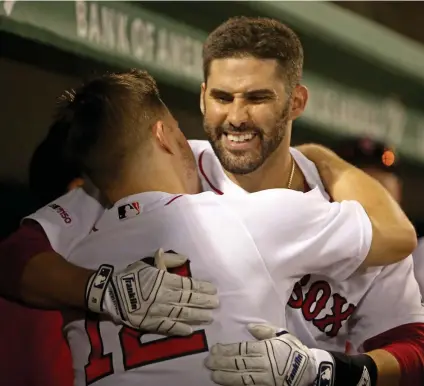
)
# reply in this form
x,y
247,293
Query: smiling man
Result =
x,y
251,94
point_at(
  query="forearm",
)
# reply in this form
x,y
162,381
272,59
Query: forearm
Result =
x,y
37,276
388,368
394,236
49,281
399,353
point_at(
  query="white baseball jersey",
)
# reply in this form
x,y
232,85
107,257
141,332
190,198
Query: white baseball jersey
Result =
x,y
321,312
252,248
327,313
419,264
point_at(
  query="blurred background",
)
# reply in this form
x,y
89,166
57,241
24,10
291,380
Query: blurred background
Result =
x,y
364,66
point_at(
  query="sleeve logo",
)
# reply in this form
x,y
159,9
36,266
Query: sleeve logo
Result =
x,y
61,212
128,210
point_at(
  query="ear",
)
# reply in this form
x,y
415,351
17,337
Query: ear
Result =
x,y
202,97
162,135
299,99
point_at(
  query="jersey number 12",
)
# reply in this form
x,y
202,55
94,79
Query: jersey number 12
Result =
x,y
135,353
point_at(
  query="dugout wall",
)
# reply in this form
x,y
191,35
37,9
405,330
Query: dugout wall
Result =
x,y
359,84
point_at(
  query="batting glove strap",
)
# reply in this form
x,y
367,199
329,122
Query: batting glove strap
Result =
x,y
354,370
97,288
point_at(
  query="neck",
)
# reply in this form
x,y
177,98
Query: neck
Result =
x,y
152,180
274,173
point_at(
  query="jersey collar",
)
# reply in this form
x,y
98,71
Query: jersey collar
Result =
x,y
214,179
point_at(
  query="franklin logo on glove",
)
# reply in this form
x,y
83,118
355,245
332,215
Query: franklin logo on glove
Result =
x,y
149,298
131,295
295,366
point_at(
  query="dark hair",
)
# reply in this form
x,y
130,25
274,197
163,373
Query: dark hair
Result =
x,y
261,38
109,119
50,172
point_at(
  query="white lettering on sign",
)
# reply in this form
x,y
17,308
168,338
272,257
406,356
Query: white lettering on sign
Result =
x,y
338,110
139,39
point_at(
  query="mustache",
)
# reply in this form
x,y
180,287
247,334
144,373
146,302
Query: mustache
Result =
x,y
244,128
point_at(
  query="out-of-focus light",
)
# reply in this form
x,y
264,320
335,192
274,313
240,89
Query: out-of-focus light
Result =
x,y
388,158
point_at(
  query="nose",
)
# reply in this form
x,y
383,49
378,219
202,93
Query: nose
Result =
x,y
237,113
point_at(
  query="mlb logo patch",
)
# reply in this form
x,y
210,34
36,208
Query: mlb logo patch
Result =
x,y
325,374
128,210
102,277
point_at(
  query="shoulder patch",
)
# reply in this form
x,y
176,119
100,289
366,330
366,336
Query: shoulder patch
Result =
x,y
129,210
61,212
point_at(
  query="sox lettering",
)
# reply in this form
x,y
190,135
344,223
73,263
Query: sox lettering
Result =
x,y
320,293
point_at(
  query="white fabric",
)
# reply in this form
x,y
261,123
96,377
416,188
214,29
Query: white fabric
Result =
x,y
374,301
82,211
254,267
419,265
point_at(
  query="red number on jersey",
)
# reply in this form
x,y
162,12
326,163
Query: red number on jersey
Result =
x,y
134,352
99,365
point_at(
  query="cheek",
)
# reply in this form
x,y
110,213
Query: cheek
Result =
x,y
264,117
215,112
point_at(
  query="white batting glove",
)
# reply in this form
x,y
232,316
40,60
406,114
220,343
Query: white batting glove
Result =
x,y
149,298
279,359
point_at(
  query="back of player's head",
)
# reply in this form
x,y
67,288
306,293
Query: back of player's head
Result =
x,y
258,37
109,119
50,172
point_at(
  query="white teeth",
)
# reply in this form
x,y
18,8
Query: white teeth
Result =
x,y
240,138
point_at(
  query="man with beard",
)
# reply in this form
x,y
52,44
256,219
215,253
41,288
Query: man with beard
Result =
x,y
250,97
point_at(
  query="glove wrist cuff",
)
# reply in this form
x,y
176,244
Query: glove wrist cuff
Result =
x,y
354,370
325,368
96,288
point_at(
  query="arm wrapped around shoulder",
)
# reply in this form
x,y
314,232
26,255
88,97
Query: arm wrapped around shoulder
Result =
x,y
394,236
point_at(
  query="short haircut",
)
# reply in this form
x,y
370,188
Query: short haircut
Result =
x,y
50,172
261,38
110,117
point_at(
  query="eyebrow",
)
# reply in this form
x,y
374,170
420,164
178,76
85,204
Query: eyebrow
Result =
x,y
264,92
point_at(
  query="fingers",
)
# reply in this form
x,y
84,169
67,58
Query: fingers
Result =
x,y
187,299
238,349
186,283
181,314
173,260
159,260
165,260
240,379
236,363
265,331
164,326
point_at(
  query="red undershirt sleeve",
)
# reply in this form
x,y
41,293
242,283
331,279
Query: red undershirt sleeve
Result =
x,y
16,250
406,344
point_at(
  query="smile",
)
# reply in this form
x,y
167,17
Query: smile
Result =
x,y
245,137
241,141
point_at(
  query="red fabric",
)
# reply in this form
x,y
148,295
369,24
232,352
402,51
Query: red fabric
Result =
x,y
16,250
33,351
406,344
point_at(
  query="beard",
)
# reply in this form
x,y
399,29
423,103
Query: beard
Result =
x,y
247,161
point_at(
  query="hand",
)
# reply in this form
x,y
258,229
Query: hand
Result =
x,y
279,359
151,299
